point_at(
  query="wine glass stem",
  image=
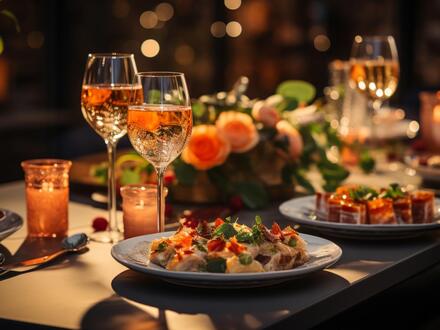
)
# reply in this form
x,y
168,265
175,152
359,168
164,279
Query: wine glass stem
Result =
x,y
160,201
111,205
375,106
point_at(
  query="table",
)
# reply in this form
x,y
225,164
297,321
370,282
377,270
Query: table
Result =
x,y
91,290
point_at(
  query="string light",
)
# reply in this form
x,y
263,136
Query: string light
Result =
x,y
148,19
233,29
218,29
150,48
232,4
164,11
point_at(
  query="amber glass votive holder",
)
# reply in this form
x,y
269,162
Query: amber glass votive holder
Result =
x,y
139,207
47,196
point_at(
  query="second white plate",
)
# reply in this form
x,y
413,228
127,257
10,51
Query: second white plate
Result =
x,y
302,211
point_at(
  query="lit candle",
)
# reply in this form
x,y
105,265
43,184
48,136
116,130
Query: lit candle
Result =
x,y
47,197
139,206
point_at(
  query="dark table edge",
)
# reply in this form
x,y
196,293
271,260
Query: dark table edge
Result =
x,y
334,304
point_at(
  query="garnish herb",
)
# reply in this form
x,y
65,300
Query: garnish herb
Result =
x,y
292,242
245,259
162,246
363,193
394,191
258,220
244,237
200,246
226,229
216,265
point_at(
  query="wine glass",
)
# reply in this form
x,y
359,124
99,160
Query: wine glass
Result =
x,y
106,92
160,127
374,68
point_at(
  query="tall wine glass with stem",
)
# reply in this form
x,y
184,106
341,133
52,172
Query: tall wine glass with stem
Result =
x,y
374,69
106,92
160,127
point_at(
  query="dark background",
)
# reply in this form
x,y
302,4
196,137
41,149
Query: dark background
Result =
x,y
41,67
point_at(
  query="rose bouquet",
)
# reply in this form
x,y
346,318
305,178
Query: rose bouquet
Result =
x,y
249,151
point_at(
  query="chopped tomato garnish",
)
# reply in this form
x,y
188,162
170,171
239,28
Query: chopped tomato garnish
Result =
x,y
235,247
218,222
188,252
275,229
289,231
216,245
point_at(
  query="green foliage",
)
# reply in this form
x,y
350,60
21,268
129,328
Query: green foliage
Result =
x,y
185,173
301,91
130,177
253,194
367,162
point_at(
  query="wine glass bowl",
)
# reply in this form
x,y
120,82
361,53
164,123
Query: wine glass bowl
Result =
x,y
160,126
374,66
109,86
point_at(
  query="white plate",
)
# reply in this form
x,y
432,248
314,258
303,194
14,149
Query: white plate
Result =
x,y
301,210
9,223
428,173
133,253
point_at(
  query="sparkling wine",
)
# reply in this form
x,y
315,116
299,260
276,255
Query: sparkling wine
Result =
x,y
105,108
377,78
159,132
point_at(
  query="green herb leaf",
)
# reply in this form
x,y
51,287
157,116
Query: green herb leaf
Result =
x,y
200,246
245,259
216,265
257,235
292,242
162,246
225,229
244,237
363,193
258,220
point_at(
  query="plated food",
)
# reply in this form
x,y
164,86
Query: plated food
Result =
x,y
225,246
354,204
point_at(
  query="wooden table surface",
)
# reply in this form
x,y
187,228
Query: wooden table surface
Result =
x,y
91,290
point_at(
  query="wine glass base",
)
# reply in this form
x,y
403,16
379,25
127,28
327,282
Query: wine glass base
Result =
x,y
106,236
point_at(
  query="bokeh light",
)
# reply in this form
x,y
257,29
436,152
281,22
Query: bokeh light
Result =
x,y
184,54
218,29
164,11
150,48
321,43
35,39
232,4
233,29
148,19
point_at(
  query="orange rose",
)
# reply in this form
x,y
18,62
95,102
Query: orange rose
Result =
x,y
286,130
239,129
266,111
206,148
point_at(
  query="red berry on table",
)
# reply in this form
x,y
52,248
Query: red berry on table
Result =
x,y
169,178
100,224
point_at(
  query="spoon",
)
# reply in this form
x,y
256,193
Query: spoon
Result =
x,y
72,243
